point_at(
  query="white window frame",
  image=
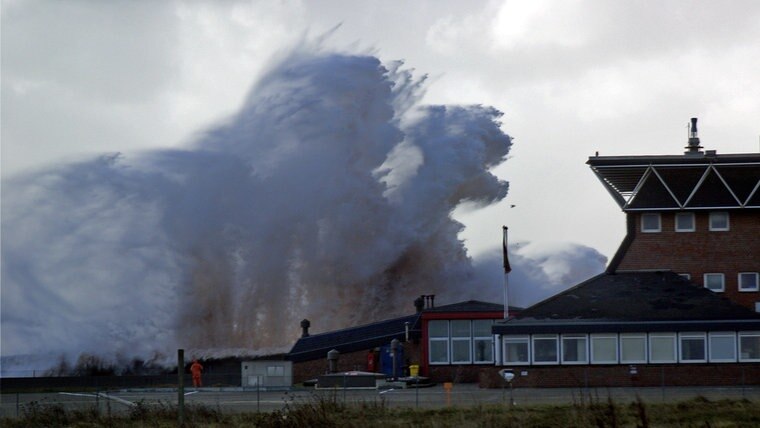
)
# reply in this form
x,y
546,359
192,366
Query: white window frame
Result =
x,y
623,337
467,339
515,340
442,339
691,336
582,337
673,338
684,229
537,337
740,281
651,215
685,275
719,229
711,347
715,274
742,334
488,339
600,337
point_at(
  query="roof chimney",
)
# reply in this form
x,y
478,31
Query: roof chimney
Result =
x,y
693,148
305,324
419,303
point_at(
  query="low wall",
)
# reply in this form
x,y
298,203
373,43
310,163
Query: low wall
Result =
x,y
621,376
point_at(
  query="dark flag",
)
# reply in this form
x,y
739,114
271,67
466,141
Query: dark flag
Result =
x,y
507,268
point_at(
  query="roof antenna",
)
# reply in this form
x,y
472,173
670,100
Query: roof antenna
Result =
x,y
693,148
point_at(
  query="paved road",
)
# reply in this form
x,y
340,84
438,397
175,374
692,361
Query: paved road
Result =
x,y
238,400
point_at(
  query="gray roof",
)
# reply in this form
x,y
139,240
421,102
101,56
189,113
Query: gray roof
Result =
x,y
631,301
472,306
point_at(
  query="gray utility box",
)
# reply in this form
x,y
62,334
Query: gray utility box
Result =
x,y
265,374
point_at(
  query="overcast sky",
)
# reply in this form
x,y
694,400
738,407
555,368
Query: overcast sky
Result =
x,y
572,77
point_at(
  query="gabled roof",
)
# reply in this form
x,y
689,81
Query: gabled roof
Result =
x,y
363,337
629,301
693,181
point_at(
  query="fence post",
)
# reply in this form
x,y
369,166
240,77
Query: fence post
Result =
x,y
181,386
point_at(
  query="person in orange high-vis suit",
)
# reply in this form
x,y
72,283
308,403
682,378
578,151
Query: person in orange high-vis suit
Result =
x,y
196,369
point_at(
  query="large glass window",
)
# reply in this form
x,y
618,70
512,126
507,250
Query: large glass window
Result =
x,y
516,350
604,349
650,223
438,334
693,348
482,341
748,281
662,348
574,349
685,222
545,349
719,221
722,347
749,346
461,341
715,282
633,348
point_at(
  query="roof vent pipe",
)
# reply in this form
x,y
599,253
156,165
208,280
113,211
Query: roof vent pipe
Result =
x,y
693,148
305,324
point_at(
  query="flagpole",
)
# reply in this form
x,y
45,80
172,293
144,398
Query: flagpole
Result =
x,y
507,269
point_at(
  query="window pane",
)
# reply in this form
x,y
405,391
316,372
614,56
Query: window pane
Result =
x,y
603,349
460,328
650,222
439,352
544,350
722,348
516,351
714,281
460,351
685,222
693,349
662,349
749,347
748,281
718,221
438,328
481,328
632,349
483,350
574,349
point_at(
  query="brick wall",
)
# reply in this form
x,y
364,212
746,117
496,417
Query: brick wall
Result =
x,y
702,251
620,376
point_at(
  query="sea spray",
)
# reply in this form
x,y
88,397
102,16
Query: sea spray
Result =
x,y
328,196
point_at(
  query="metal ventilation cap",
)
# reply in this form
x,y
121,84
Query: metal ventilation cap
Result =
x,y
693,148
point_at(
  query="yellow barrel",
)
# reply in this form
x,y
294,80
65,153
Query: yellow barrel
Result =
x,y
414,370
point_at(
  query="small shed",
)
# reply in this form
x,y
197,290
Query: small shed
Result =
x,y
266,374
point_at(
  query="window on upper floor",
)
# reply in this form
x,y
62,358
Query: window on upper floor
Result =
x,y
719,221
748,281
650,223
685,275
685,222
715,282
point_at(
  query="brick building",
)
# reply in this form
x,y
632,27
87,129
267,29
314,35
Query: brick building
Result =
x,y
448,343
678,302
